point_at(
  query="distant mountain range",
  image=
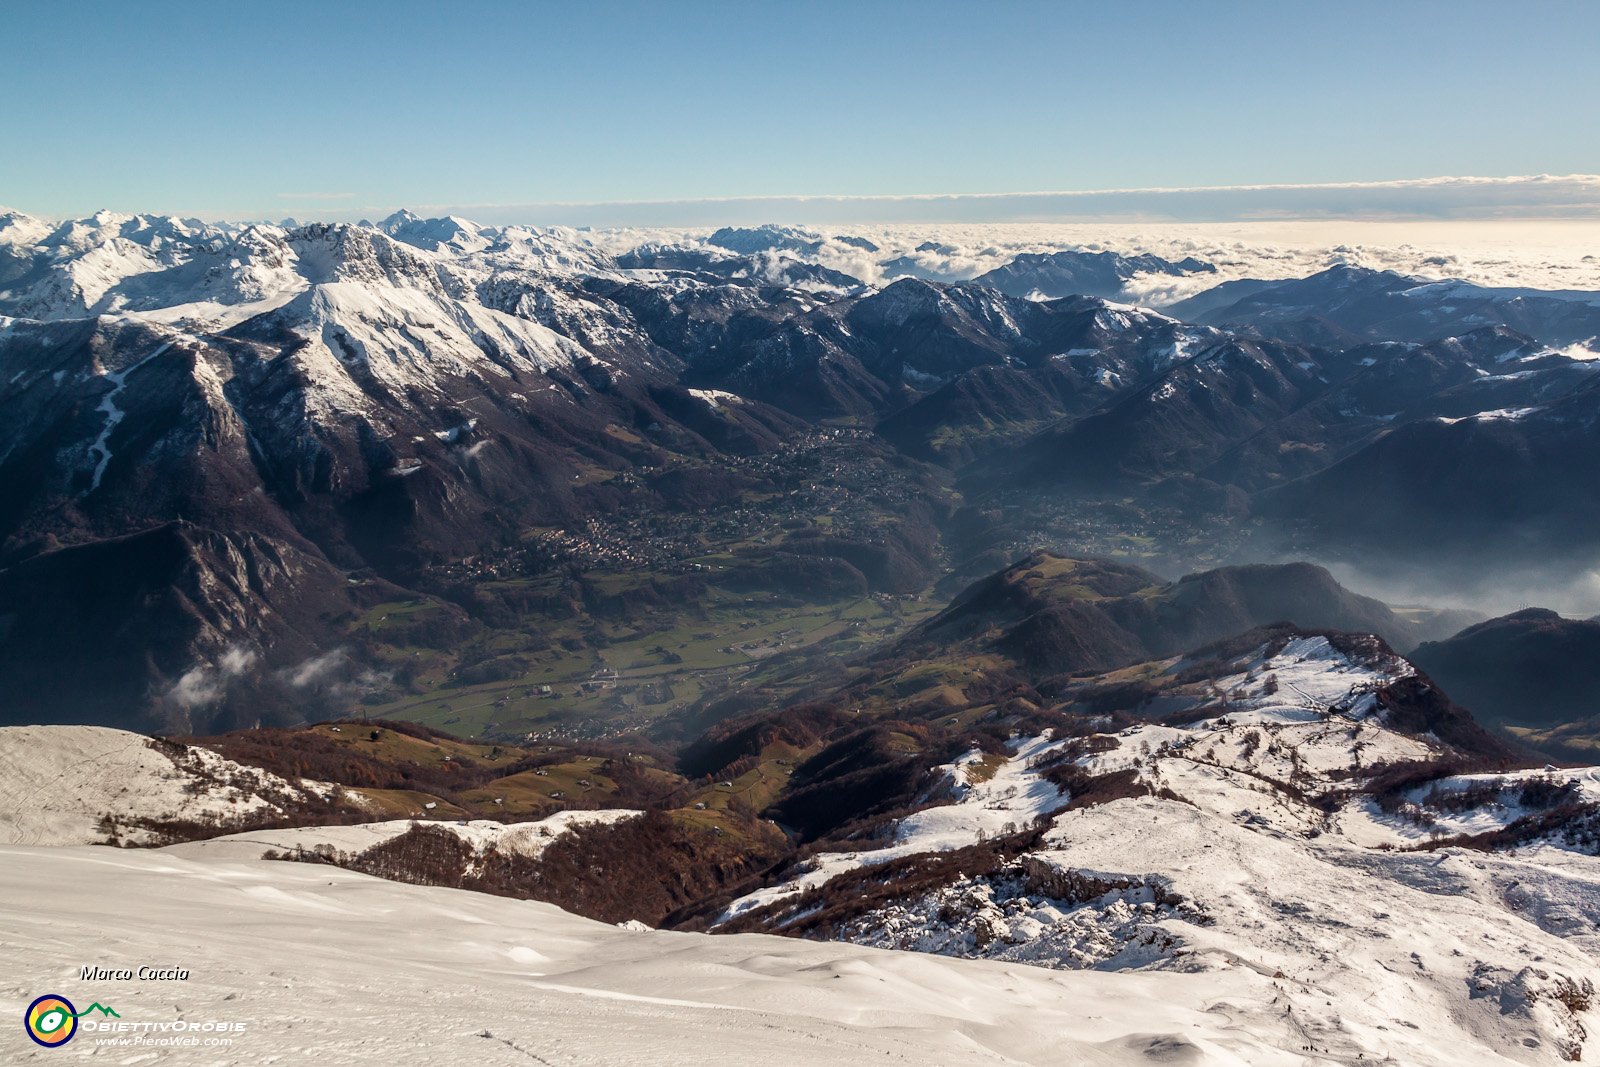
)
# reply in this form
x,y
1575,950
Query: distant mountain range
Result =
x,y
1344,305
1049,275
250,440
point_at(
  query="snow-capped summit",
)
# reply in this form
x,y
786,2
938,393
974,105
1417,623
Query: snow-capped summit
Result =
x,y
1349,302
22,231
450,233
1103,274
764,238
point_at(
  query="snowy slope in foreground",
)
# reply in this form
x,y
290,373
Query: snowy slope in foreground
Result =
x,y
332,967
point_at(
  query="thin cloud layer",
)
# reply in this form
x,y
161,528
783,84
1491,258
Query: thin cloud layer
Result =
x,y
1525,197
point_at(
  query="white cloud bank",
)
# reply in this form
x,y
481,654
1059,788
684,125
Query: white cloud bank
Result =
x,y
1540,253
1541,196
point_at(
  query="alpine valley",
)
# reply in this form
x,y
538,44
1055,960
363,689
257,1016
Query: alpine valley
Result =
x,y
799,646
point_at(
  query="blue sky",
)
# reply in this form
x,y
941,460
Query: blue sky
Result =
x,y
262,110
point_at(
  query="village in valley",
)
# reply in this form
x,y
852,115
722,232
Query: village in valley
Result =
x,y
610,626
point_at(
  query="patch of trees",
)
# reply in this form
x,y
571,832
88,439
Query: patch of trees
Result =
x,y
1574,823
642,868
819,579
1390,783
446,628
861,777
821,912
1085,789
305,753
896,562
495,669
1112,697
798,727
1417,706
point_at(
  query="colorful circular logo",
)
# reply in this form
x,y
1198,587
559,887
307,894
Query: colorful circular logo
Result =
x,y
51,1020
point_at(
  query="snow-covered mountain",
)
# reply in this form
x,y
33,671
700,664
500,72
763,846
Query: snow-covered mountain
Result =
x,y
252,434
1257,824
1347,302
1044,275
264,408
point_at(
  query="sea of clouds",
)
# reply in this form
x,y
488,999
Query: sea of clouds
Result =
x,y
1538,254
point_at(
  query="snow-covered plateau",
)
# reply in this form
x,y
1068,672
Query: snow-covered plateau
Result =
x,y
326,966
